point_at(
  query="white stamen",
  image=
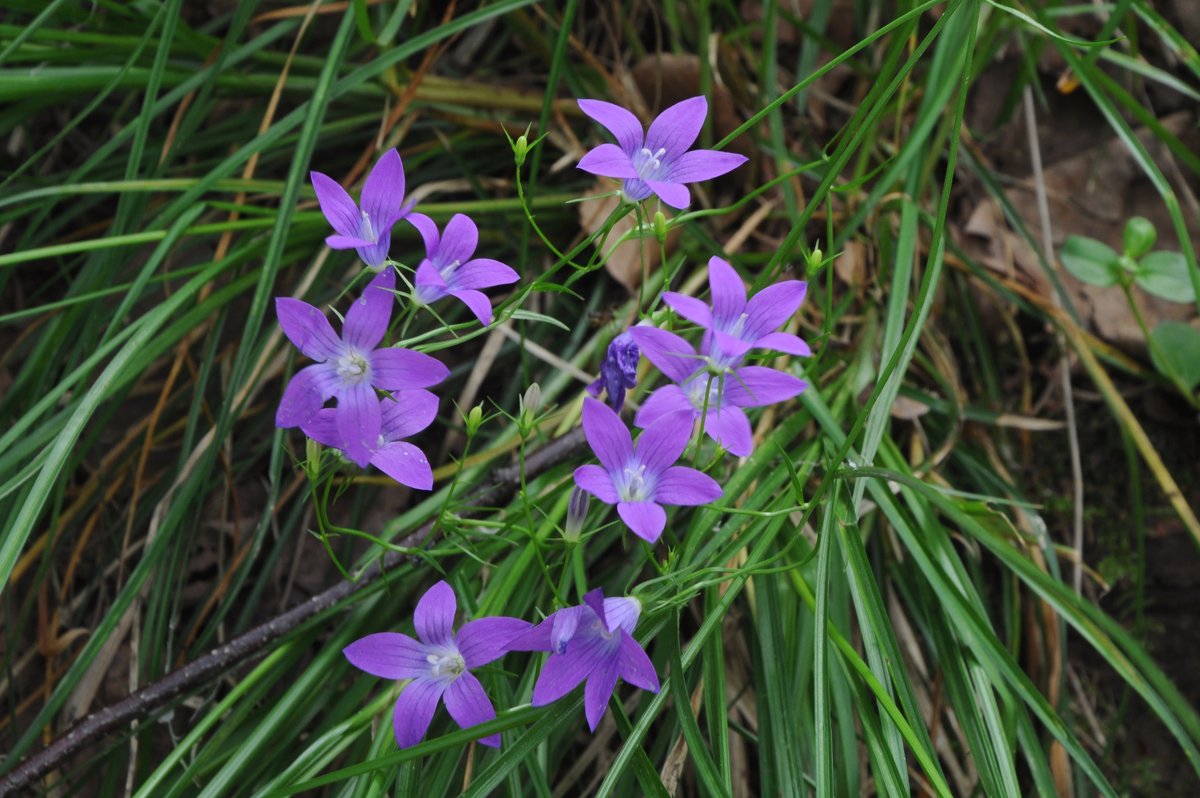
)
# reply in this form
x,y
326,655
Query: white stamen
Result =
x,y
353,367
446,663
365,230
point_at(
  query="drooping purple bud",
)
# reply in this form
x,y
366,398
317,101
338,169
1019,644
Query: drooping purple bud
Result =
x,y
577,508
618,372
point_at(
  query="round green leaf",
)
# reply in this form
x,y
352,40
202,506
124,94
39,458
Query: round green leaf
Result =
x,y
1180,347
1139,236
1090,260
1165,274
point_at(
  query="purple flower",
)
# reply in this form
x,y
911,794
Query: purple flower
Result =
x,y
402,414
727,389
733,325
368,230
350,367
438,665
449,270
592,641
658,163
618,372
639,481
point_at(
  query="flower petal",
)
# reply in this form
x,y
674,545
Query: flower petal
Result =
x,y
341,211
358,422
407,413
469,705
485,640
565,623
755,386
634,666
730,428
784,342
537,638
389,655
689,307
600,685
434,616
376,255
383,192
635,189
309,388
675,129
607,160
607,435
405,369
622,612
674,356
428,285
482,273
697,165
674,194
367,320
322,428
646,519
596,481
477,302
459,240
307,328
594,601
345,242
728,292
660,445
414,710
562,672
686,486
667,399
428,230
772,306
404,463
625,127
723,347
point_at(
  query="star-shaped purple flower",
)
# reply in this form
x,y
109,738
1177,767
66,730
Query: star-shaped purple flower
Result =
x,y
368,230
592,642
439,664
728,390
660,162
639,481
403,414
734,325
449,270
618,372
350,368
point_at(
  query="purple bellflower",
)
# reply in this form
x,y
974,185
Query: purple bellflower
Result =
x,y
726,389
658,162
639,481
734,325
439,664
351,367
449,270
368,230
618,372
402,414
594,642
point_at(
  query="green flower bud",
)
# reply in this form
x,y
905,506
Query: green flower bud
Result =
x,y
520,149
660,227
814,260
531,403
312,459
474,420
1139,236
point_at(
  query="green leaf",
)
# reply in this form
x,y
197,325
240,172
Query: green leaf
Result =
x,y
1165,274
1180,347
1090,260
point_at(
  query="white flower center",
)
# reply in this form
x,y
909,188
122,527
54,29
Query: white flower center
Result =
x,y
353,368
446,664
704,385
365,231
637,486
649,165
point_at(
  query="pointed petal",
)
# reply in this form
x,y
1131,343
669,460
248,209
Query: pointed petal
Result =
x,y
367,320
341,212
646,519
482,273
428,230
667,399
686,486
622,612
358,422
594,601
383,191
307,328
675,130
477,302
428,285
634,666
722,346
728,292
689,307
309,388
562,672
407,413
488,639
596,481
624,126
697,165
537,638
730,428
388,655
404,463
607,435
755,386
607,160
674,356
772,306
459,240
469,705
564,625
414,710
599,688
434,616
345,242
784,342
322,428
674,194
405,369
663,441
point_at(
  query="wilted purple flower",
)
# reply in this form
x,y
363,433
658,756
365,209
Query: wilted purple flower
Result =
x,y
438,664
733,325
618,372
368,230
592,641
639,481
449,270
727,389
658,163
350,367
402,414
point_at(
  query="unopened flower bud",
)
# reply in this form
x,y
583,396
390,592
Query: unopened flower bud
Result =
x,y
1139,236
814,259
474,420
660,227
520,149
577,508
531,403
312,459
618,372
